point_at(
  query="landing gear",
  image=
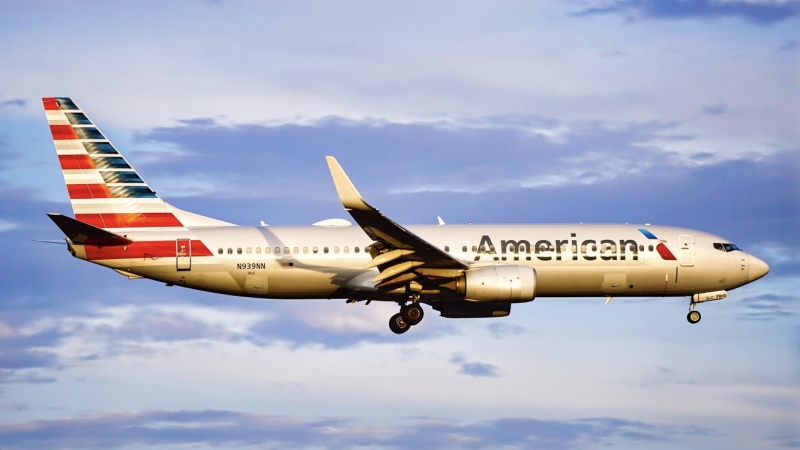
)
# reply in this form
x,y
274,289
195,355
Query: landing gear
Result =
x,y
694,315
398,324
409,315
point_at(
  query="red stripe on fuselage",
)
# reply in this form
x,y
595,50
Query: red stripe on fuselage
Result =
x,y
137,220
143,250
88,191
62,132
73,162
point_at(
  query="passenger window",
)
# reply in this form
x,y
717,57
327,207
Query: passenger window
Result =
x,y
474,249
219,252
277,250
249,250
267,250
463,249
286,251
315,250
335,249
296,250
239,251
356,249
258,250
447,248
346,249
641,248
230,251
305,249
324,249
650,248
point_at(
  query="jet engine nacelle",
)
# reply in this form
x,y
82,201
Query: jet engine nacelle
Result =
x,y
514,284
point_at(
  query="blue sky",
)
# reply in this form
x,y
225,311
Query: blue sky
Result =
x,y
667,112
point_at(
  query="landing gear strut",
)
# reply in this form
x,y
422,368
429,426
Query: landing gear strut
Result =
x,y
694,315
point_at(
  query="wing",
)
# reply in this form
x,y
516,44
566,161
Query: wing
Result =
x,y
399,254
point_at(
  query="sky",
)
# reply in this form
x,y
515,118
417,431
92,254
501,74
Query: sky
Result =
x,y
640,111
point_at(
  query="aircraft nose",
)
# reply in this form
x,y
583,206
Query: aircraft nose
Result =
x,y
758,268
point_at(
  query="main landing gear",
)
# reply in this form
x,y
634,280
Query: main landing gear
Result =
x,y
409,315
694,315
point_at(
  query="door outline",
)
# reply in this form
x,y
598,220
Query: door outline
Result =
x,y
686,254
183,254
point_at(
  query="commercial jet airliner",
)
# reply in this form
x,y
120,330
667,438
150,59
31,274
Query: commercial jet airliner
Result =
x,y
458,270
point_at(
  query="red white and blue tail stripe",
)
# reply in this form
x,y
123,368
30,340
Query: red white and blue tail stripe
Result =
x,y
104,189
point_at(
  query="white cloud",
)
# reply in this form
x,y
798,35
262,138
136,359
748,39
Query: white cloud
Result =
x,y
7,225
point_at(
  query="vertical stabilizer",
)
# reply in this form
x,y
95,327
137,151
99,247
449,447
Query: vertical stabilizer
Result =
x,y
104,189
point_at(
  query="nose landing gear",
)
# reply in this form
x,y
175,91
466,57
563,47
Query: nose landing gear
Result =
x,y
694,315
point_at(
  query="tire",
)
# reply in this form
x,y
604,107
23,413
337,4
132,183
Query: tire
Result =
x,y
398,324
693,317
413,314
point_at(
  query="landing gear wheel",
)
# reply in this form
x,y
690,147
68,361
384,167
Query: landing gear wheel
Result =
x,y
398,324
693,316
413,314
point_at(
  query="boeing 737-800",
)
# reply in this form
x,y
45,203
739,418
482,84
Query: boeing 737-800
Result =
x,y
459,270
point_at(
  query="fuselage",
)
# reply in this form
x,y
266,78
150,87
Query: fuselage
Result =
x,y
328,262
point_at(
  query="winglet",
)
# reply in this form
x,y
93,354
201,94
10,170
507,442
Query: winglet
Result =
x,y
84,234
348,194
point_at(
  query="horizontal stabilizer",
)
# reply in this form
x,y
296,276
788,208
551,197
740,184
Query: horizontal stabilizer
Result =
x,y
84,234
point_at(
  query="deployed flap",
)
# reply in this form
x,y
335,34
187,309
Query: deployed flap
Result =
x,y
382,229
84,234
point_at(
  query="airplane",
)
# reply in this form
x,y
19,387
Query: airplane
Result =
x,y
461,271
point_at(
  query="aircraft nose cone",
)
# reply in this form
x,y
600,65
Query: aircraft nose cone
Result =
x,y
758,268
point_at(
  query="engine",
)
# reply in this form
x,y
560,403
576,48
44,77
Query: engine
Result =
x,y
513,284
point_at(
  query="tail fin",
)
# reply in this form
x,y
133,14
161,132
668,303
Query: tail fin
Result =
x,y
104,189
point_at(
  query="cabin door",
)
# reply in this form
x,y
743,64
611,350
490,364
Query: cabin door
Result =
x,y
183,254
687,250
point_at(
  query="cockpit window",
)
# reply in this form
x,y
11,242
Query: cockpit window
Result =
x,y
726,246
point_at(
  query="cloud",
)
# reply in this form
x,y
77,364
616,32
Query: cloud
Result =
x,y
474,368
146,325
28,348
18,102
770,306
232,429
526,152
715,110
504,330
759,12
333,327
7,225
